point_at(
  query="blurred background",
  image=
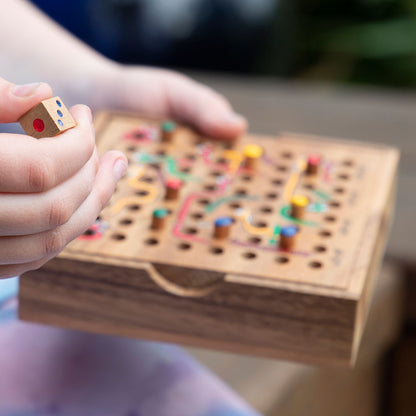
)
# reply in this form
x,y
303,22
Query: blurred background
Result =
x,y
348,41
344,68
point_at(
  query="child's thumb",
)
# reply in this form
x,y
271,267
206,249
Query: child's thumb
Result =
x,y
16,100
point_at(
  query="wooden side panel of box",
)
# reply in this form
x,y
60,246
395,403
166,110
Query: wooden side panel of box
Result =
x,y
382,230
234,316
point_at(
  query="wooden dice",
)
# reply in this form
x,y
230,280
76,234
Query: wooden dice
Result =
x,y
49,118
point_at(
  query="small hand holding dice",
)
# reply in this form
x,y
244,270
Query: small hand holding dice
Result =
x,y
49,118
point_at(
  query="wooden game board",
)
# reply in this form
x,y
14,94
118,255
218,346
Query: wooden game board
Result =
x,y
243,293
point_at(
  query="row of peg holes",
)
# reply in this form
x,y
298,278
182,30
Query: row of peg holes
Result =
x,y
253,240
243,191
221,160
235,205
249,255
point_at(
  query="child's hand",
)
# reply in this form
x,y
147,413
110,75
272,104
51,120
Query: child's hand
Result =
x,y
163,93
52,189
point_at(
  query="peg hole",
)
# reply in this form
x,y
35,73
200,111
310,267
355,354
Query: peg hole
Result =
x,y
320,249
203,201
142,193
277,182
235,205
241,191
134,207
272,195
255,240
266,209
184,246
282,259
118,237
126,221
197,215
216,250
334,204
315,264
343,176
151,241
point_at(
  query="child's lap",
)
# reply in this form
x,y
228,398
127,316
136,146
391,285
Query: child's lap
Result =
x,y
51,371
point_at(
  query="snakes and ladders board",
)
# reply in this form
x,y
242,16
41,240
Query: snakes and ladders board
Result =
x,y
265,245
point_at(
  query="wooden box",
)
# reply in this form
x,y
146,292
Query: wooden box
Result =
x,y
243,293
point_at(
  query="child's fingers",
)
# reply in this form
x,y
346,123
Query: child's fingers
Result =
x,y
167,93
11,270
28,248
16,100
203,107
113,165
22,214
32,165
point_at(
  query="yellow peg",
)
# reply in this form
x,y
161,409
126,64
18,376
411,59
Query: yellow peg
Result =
x,y
298,206
252,153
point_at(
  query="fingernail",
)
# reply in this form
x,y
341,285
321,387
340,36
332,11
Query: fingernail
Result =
x,y
26,90
234,118
89,115
119,169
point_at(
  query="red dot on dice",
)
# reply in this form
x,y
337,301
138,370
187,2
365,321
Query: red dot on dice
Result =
x,y
38,125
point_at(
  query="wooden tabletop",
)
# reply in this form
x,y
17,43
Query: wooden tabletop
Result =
x,y
378,116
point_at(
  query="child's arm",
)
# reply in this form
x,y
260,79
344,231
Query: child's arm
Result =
x,y
38,48
52,189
